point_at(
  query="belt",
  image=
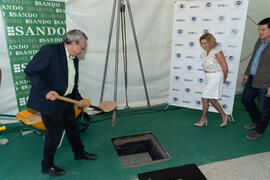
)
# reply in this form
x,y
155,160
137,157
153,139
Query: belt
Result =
x,y
210,71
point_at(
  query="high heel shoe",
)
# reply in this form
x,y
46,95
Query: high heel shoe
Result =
x,y
224,121
201,124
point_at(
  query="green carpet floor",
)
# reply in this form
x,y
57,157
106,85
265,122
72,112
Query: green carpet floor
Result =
x,y
21,158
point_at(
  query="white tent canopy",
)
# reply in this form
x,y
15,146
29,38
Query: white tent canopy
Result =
x,y
153,22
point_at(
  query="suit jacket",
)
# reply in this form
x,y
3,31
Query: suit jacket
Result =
x,y
48,70
262,77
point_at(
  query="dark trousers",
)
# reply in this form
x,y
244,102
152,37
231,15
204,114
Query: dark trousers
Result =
x,y
63,118
259,114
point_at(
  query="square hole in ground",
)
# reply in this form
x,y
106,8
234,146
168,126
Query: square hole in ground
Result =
x,y
139,149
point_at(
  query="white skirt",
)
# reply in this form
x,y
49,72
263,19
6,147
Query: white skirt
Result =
x,y
213,85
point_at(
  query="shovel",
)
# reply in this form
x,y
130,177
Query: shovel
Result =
x,y
105,106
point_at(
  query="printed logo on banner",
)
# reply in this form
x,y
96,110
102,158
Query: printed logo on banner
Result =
x,y
189,57
34,31
175,99
230,58
180,32
228,84
176,78
192,33
200,69
20,46
25,87
208,5
220,33
236,19
193,19
181,6
198,92
23,101
198,103
205,31
234,31
189,68
180,20
17,68
19,77
223,5
186,102
201,80
232,46
224,96
191,44
231,72
219,44
188,80
178,56
10,31
207,19
22,85
175,89
221,18
194,6
187,90
179,45
224,106
238,3
177,68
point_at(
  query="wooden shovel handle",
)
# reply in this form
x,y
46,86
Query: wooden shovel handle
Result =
x,y
62,98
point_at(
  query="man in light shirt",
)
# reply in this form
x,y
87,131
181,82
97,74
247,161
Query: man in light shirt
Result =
x,y
53,71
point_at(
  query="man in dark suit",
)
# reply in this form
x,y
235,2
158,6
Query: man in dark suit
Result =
x,y
53,71
257,83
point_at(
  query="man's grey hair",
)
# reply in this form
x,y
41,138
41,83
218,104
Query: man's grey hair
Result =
x,y
76,36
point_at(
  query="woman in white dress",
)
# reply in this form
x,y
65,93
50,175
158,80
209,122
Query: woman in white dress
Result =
x,y
216,71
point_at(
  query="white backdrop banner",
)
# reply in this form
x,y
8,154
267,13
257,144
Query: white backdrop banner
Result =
x,y
225,19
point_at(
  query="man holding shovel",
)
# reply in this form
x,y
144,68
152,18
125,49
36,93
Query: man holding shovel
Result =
x,y
53,71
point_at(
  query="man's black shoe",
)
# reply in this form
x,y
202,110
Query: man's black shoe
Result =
x,y
85,155
54,171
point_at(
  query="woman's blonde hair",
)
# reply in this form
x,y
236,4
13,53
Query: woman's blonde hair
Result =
x,y
210,39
